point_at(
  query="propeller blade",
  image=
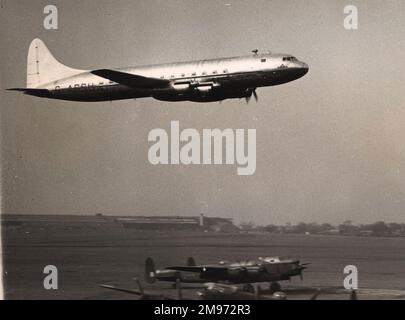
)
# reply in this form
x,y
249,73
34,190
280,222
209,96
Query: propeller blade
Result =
x,y
302,276
139,286
179,291
315,295
353,295
255,95
257,291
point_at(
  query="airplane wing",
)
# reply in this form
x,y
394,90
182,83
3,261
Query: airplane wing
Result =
x,y
131,291
143,295
198,268
131,80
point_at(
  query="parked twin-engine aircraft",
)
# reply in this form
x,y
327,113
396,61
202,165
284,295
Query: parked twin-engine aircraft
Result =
x,y
198,81
268,269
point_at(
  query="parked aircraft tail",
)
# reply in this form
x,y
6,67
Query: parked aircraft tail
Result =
x,y
191,262
43,68
150,270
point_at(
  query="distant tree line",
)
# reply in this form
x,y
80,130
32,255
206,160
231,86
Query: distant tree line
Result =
x,y
379,228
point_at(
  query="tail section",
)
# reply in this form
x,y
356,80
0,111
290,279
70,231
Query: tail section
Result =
x,y
43,68
191,262
150,270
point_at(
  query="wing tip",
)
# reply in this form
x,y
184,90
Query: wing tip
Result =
x,y
16,89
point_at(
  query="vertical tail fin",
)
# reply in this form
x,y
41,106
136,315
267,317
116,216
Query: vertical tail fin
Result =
x,y
43,68
191,262
150,270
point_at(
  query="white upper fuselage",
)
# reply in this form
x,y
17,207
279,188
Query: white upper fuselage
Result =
x,y
196,70
215,68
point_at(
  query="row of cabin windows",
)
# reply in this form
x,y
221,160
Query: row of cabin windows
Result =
x,y
204,73
194,74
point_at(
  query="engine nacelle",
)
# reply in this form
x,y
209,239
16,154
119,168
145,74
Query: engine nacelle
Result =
x,y
236,274
204,89
181,87
253,272
167,274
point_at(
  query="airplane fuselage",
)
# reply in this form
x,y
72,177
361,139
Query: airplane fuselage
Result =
x,y
198,81
238,272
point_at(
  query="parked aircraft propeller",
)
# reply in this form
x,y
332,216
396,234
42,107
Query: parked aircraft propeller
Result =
x,y
353,295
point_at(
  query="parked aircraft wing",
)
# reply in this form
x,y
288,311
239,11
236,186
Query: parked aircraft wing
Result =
x,y
136,292
131,80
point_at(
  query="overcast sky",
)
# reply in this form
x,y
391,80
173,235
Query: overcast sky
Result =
x,y
330,146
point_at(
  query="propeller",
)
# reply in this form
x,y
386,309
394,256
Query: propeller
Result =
x,y
257,291
255,95
353,295
250,92
316,294
139,286
179,291
301,268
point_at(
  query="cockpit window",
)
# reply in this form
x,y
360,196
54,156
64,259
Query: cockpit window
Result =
x,y
290,58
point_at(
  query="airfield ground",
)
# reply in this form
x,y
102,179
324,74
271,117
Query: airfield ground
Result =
x,y
108,253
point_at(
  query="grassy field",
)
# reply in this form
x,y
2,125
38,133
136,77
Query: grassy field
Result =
x,y
111,254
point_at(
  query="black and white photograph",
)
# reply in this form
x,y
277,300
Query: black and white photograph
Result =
x,y
202,150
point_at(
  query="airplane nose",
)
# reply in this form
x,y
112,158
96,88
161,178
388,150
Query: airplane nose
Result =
x,y
305,67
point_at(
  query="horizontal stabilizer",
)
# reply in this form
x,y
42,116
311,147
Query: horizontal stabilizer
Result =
x,y
131,80
33,92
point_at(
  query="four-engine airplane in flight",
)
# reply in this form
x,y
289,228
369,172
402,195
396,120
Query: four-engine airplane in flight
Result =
x,y
197,81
